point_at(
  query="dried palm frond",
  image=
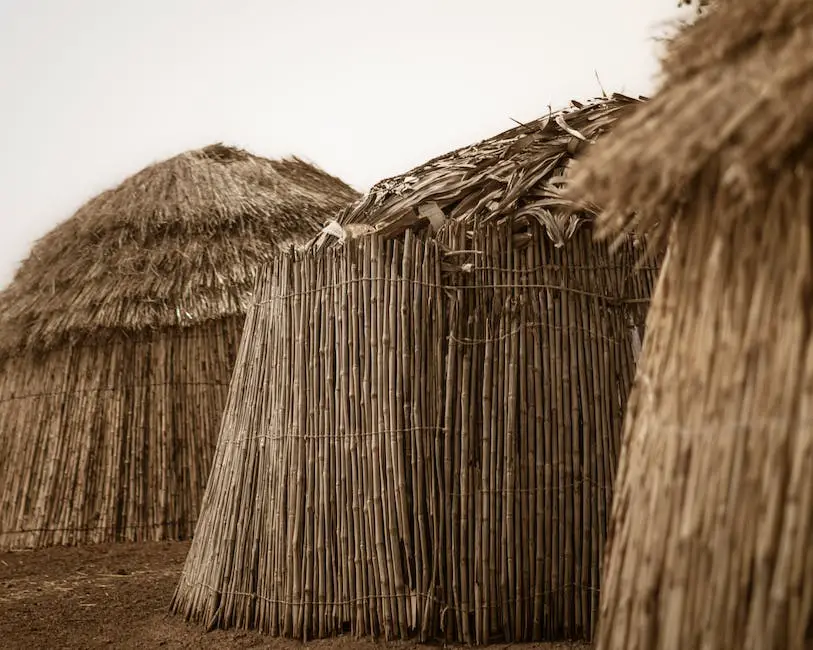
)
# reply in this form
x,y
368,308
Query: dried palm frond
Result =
x,y
513,174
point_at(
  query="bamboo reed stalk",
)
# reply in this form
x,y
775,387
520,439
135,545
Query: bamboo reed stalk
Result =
x,y
540,476
525,543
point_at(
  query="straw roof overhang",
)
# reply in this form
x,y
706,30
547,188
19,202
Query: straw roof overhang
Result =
x,y
734,114
512,176
176,244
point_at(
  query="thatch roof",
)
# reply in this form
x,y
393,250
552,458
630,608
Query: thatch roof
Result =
x,y
513,175
736,111
176,244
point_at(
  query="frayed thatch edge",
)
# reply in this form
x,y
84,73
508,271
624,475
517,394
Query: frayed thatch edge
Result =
x,y
737,125
515,177
175,244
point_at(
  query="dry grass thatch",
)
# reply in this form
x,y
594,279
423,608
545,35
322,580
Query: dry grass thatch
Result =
x,y
712,533
735,107
118,336
173,245
421,433
513,176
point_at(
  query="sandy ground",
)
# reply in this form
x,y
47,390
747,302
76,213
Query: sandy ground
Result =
x,y
117,596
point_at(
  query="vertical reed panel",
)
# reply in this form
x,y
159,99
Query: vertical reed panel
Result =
x,y
104,445
442,429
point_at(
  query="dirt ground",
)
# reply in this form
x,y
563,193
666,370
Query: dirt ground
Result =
x,y
117,596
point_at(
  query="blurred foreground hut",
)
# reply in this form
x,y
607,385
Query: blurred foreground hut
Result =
x,y
118,337
712,531
423,423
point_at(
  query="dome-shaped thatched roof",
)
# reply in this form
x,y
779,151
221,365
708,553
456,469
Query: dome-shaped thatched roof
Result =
x,y
175,244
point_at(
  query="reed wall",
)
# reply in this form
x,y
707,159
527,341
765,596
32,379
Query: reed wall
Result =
x,y
420,441
112,441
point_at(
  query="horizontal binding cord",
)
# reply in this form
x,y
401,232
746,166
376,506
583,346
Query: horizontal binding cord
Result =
x,y
334,436
541,325
385,597
113,389
290,295
110,527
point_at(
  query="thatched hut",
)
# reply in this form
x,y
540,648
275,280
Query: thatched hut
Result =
x,y
423,423
118,336
712,542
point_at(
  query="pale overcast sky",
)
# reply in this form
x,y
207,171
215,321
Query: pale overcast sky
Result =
x,y
91,91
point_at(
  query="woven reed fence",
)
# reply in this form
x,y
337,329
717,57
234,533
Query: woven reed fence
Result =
x,y
421,442
119,436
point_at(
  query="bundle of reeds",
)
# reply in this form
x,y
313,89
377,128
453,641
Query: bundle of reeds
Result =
x,y
541,356
712,543
323,489
421,438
